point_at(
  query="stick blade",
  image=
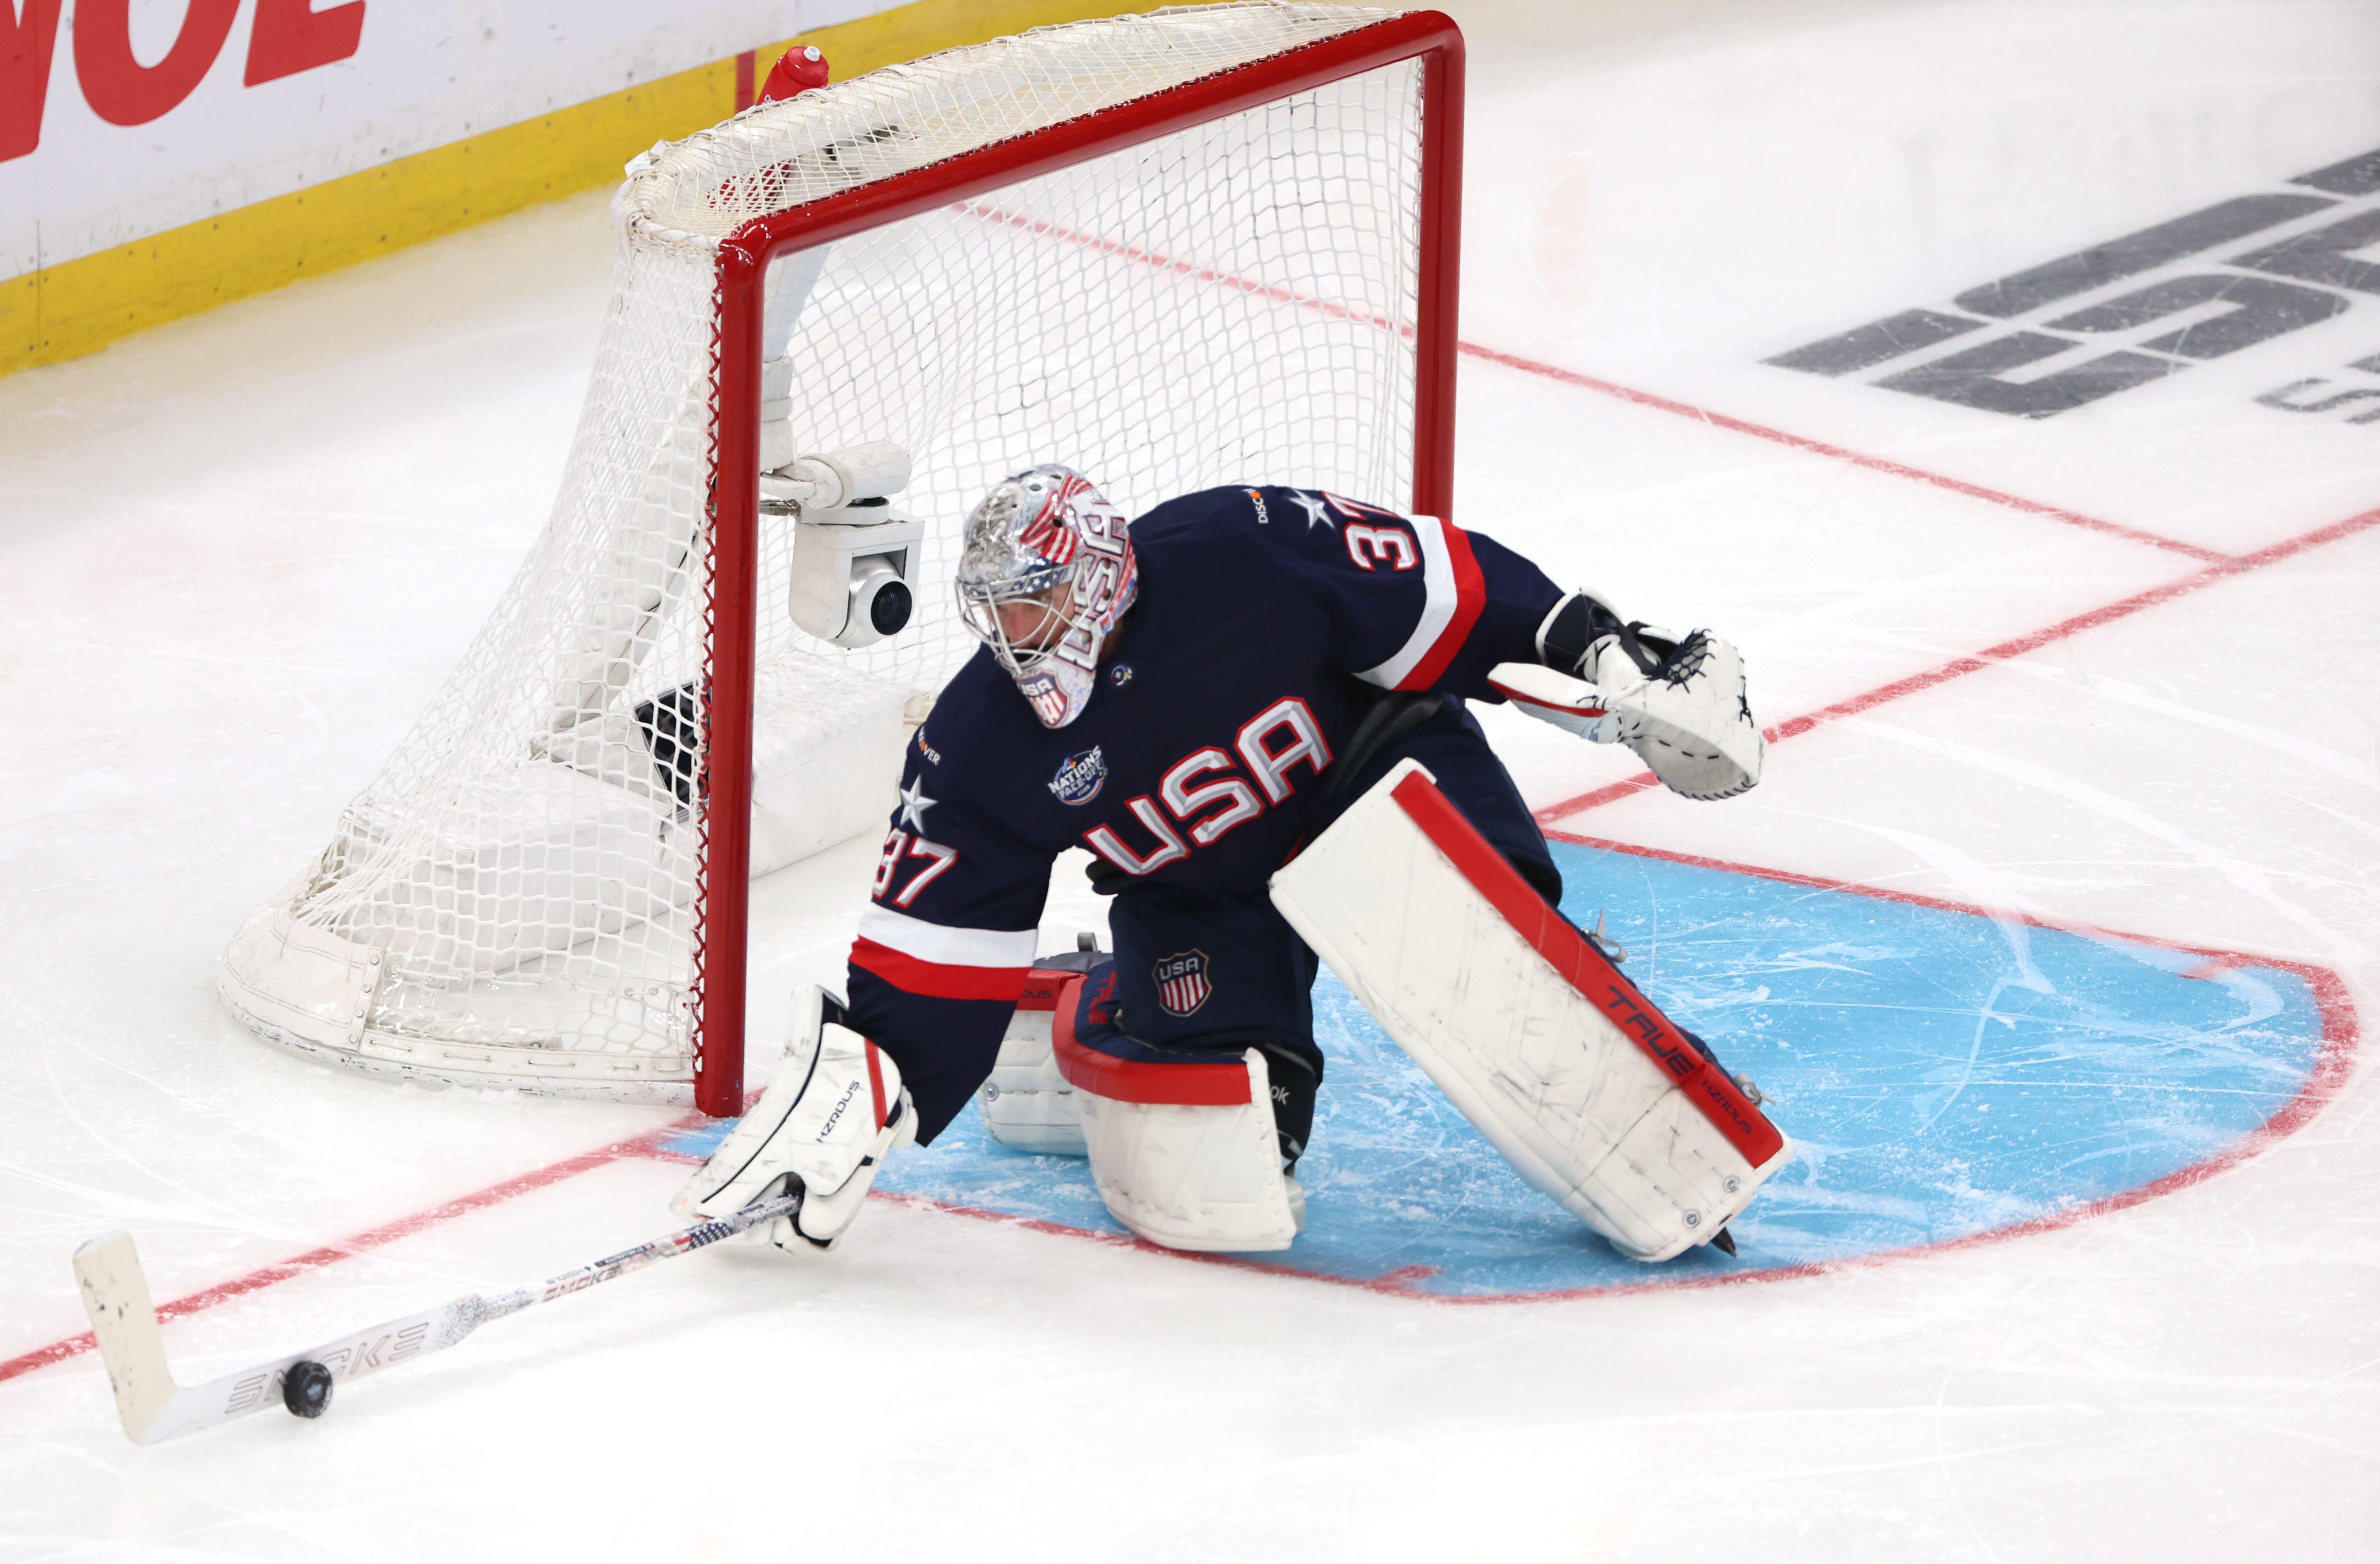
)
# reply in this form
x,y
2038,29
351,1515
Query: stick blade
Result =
x,y
116,1296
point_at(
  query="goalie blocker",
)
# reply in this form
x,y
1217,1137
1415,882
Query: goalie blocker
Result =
x,y
1590,1092
823,1128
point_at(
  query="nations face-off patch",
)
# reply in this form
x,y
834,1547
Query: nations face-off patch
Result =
x,y
1080,777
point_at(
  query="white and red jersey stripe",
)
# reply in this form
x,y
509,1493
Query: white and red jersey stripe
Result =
x,y
1454,595
941,962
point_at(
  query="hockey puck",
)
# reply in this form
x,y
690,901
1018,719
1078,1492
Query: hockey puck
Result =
x,y
306,1388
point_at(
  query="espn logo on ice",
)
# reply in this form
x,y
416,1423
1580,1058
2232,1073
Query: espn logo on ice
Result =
x,y
2198,307
285,37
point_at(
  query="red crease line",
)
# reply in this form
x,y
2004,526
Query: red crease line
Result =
x,y
2341,1039
2218,959
370,1238
1403,1283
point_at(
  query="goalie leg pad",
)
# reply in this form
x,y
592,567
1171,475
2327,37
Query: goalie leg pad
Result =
x,y
1182,1140
1455,749
1592,1095
836,1109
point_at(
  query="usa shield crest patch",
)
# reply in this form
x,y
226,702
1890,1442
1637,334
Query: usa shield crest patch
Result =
x,y
1181,984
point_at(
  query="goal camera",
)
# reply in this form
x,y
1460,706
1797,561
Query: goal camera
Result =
x,y
855,554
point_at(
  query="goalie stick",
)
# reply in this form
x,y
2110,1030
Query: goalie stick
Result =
x,y
154,1408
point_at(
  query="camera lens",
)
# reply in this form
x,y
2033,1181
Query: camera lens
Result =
x,y
881,602
888,611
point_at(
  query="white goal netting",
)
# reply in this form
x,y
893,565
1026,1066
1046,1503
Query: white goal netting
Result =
x,y
516,898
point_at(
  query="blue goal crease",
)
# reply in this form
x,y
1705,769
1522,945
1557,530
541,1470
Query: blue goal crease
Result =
x,y
1943,1073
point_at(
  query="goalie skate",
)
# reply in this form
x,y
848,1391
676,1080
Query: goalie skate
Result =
x,y
1592,1095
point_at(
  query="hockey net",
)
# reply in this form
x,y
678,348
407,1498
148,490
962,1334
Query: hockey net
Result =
x,y
533,892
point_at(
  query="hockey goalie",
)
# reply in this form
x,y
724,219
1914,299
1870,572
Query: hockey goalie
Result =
x,y
1249,704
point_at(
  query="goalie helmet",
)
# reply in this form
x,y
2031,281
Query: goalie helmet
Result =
x,y
1046,571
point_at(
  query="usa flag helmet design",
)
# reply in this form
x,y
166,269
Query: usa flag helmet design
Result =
x,y
1047,536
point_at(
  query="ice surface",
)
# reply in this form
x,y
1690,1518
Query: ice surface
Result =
x,y
241,552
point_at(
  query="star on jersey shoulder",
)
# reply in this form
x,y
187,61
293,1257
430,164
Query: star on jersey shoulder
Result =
x,y
914,805
1317,510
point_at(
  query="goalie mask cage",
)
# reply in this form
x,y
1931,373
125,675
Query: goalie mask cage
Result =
x,y
1204,245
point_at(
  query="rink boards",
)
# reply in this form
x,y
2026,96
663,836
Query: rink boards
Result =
x,y
1950,1076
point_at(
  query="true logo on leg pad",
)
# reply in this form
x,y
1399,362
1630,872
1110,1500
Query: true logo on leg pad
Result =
x,y
1182,982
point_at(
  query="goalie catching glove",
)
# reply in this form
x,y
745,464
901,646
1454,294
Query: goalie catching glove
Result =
x,y
836,1109
1678,701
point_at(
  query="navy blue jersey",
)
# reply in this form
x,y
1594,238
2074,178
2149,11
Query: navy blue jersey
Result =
x,y
1267,621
